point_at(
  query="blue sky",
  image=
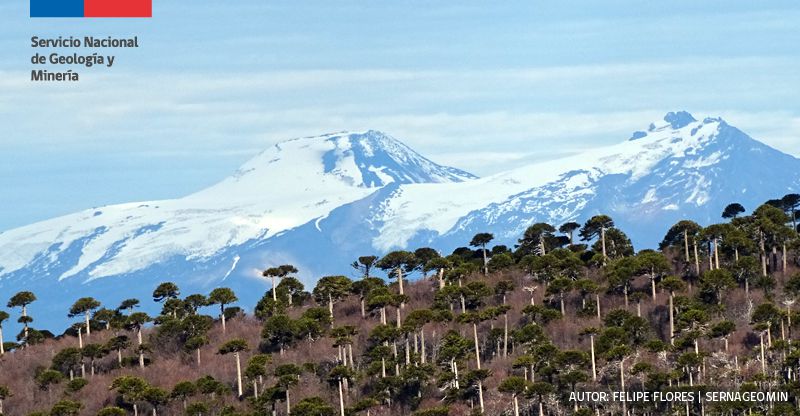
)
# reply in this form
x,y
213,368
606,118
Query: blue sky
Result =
x,y
478,86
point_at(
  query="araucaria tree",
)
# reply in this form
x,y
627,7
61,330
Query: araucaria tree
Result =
x,y
165,292
331,289
481,240
136,322
595,228
396,263
222,296
235,347
279,272
22,300
84,306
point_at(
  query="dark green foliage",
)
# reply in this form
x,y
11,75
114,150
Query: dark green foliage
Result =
x,y
233,346
66,408
112,411
313,406
733,210
47,378
433,411
77,384
197,409
164,291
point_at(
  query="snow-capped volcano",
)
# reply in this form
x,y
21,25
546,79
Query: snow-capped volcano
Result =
x,y
678,168
319,202
286,186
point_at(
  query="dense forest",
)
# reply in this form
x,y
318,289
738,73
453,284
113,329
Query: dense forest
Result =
x,y
488,329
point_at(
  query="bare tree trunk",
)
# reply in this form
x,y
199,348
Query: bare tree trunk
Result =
x,y
485,262
622,385
2,349
400,280
671,318
516,406
594,362
463,303
141,353
88,328
763,253
222,316
783,258
441,278
477,346
505,335
341,399
480,394
408,351
696,258
603,241
422,341
350,351
288,403
394,354
399,323
716,253
653,285
763,357
478,362
455,373
238,373
769,336
597,304
710,256
274,291
25,324
197,354
686,245
363,308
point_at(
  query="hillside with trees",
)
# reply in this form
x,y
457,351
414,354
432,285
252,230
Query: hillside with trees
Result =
x,y
488,329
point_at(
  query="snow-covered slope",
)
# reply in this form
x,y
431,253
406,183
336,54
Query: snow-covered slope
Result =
x,y
678,168
286,186
319,202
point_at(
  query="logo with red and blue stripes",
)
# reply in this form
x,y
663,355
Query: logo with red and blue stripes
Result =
x,y
91,8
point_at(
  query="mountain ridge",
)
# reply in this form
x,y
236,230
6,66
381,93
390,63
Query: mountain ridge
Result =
x,y
320,201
